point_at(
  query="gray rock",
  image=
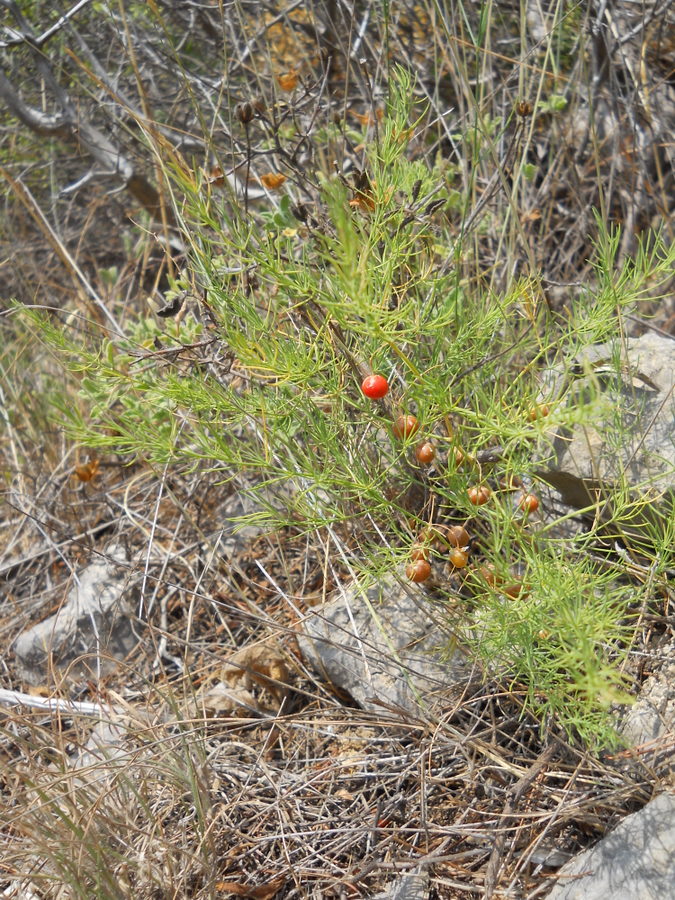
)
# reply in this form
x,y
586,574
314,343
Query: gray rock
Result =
x,y
92,629
591,458
652,720
635,862
383,645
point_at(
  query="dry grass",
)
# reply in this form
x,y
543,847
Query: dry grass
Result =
x,y
301,793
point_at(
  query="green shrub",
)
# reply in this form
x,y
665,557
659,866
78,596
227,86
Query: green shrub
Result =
x,y
289,308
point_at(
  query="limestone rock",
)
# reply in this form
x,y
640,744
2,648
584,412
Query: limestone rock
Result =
x,y
383,644
635,862
631,430
652,720
92,628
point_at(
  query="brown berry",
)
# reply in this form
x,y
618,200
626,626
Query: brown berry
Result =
x,y
418,571
405,426
489,575
516,590
425,453
88,471
431,534
510,483
457,536
479,494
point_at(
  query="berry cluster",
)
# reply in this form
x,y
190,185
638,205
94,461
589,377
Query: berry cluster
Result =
x,y
452,540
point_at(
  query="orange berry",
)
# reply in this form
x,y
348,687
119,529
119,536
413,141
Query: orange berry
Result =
x,y
529,503
458,558
479,494
539,412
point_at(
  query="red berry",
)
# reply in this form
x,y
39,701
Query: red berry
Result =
x,y
375,386
418,571
479,494
405,426
425,453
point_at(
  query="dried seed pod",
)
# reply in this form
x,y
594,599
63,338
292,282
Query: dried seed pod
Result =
x,y
300,212
245,112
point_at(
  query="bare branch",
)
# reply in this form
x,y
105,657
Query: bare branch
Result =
x,y
42,39
68,125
